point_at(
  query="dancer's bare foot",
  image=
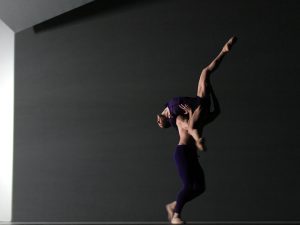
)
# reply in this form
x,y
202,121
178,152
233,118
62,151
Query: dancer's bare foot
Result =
x,y
176,219
228,45
170,209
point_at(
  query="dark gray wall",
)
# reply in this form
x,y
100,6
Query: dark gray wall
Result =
x,y
89,84
20,14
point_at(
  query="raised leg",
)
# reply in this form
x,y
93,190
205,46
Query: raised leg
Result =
x,y
196,120
205,73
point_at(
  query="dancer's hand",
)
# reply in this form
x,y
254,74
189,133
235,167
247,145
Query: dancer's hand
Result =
x,y
186,108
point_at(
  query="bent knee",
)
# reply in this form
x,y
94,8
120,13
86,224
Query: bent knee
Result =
x,y
199,190
188,188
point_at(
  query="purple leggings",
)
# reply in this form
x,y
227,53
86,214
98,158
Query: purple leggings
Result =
x,y
191,174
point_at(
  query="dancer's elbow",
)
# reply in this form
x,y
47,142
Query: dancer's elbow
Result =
x,y
191,130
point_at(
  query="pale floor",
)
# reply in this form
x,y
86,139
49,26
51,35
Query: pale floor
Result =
x,y
158,223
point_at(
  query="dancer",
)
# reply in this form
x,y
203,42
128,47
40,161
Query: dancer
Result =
x,y
197,108
189,115
190,171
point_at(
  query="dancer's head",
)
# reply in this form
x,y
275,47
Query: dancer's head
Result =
x,y
163,121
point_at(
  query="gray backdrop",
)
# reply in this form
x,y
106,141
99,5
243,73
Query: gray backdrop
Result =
x,y
88,87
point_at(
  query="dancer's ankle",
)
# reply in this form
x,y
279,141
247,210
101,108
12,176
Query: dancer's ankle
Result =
x,y
176,215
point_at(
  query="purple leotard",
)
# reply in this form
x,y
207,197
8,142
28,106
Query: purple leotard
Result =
x,y
175,110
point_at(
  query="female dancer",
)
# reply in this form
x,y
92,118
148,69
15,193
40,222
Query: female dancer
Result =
x,y
189,115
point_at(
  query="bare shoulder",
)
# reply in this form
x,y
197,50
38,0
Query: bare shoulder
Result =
x,y
180,119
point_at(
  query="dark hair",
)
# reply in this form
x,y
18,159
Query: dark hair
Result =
x,y
165,122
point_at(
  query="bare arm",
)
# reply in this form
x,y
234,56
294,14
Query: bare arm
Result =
x,y
186,128
190,122
193,116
